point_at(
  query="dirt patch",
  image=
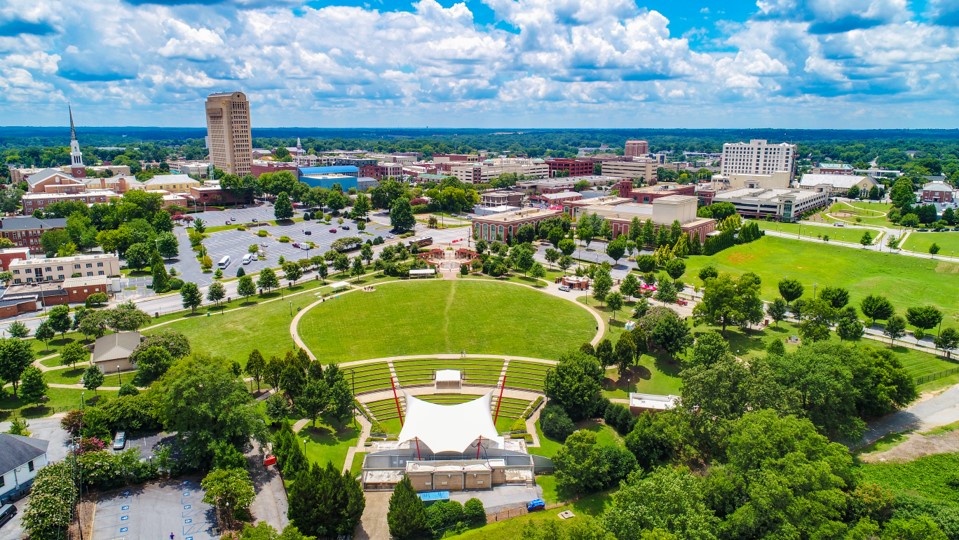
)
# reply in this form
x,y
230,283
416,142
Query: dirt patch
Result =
x,y
915,447
741,258
843,215
947,268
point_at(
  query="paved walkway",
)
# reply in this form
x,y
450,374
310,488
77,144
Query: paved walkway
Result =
x,y
934,411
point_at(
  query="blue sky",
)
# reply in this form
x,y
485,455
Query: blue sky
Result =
x,y
485,63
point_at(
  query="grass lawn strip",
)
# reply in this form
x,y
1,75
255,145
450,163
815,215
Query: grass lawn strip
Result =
x,y
437,316
904,280
920,242
840,234
927,477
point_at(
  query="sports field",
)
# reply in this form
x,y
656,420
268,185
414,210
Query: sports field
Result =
x,y
906,281
920,242
840,234
444,316
861,213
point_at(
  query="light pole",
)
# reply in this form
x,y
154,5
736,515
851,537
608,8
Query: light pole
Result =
x,y
291,308
119,380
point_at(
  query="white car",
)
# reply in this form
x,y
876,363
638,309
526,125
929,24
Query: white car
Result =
x,y
564,288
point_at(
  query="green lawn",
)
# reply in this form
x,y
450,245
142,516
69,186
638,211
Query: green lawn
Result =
x,y
904,280
841,234
444,316
920,242
324,444
658,374
67,375
61,399
591,505
928,477
547,447
862,213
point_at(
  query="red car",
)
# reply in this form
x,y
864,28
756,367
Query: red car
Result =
x,y
333,230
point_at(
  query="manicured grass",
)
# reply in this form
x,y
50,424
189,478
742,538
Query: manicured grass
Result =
x,y
324,444
357,466
526,375
927,477
657,374
234,334
920,242
591,505
863,213
66,375
61,399
948,428
476,371
904,280
840,234
513,278
444,317
547,447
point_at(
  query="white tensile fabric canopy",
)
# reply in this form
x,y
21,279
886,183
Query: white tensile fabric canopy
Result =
x,y
449,428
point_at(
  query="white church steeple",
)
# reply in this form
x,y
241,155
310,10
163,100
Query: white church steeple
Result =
x,y
76,157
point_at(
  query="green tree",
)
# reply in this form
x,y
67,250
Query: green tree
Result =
x,y
790,289
152,363
933,249
575,384
73,353
93,378
947,340
256,366
602,284
836,296
537,271
730,301
215,293
292,272
407,515
616,249
707,272
45,332
161,280
59,319
675,268
877,308
268,280
625,354
710,348
895,328
567,246
138,255
53,495
314,399
18,330
629,286
167,245
16,355
361,206
229,491
921,527
401,215
614,301
33,388
580,468
866,239
201,399
923,318
191,296
849,327
245,287
283,208
669,500
777,310
818,320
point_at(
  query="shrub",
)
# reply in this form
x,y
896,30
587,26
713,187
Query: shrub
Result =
x,y
284,239
128,390
474,513
262,234
240,228
555,423
176,284
619,418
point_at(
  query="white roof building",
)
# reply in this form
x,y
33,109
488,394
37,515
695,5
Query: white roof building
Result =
x,y
450,428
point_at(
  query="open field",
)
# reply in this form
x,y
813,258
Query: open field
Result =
x,y
904,280
60,399
325,444
861,213
929,478
920,242
446,316
840,234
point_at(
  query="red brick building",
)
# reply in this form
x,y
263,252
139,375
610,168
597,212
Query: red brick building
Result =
x,y
26,298
217,196
26,231
569,167
259,167
648,194
40,201
937,192
9,255
503,226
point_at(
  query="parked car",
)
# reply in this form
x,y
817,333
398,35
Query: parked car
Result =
x,y
333,230
345,227
308,233
536,504
7,512
120,440
296,245
255,220
232,218
564,288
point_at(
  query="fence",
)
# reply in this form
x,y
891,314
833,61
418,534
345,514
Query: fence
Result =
x,y
923,379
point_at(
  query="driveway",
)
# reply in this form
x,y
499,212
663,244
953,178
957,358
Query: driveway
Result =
x,y
13,530
373,525
154,511
938,410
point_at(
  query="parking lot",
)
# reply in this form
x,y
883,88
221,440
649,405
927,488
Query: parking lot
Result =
x,y
154,511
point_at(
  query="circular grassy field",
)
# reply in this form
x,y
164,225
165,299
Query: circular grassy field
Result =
x,y
444,316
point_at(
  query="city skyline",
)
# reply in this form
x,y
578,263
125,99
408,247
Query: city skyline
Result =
x,y
493,63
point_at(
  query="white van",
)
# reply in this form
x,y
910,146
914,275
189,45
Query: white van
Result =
x,y
248,258
224,262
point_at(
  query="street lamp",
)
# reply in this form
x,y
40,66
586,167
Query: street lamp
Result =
x,y
291,308
119,380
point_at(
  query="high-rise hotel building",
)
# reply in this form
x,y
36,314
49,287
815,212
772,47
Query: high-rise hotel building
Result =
x,y
228,132
758,157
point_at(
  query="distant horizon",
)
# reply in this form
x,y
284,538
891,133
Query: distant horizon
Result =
x,y
81,128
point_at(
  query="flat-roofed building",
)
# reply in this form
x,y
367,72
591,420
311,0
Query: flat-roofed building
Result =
x,y
648,194
575,207
9,255
776,180
636,148
836,184
564,167
637,169
62,268
937,192
758,157
171,183
833,168
501,198
778,204
40,201
559,198
662,212
555,185
503,226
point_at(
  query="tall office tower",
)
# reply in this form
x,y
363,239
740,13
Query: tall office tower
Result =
x,y
636,148
758,157
228,132
77,170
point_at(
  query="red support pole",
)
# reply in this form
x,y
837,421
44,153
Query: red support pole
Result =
x,y
500,400
417,440
479,444
399,411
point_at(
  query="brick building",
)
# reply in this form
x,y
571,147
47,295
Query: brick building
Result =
x,y
501,198
26,231
9,255
636,148
26,298
40,201
503,226
648,194
937,192
569,167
